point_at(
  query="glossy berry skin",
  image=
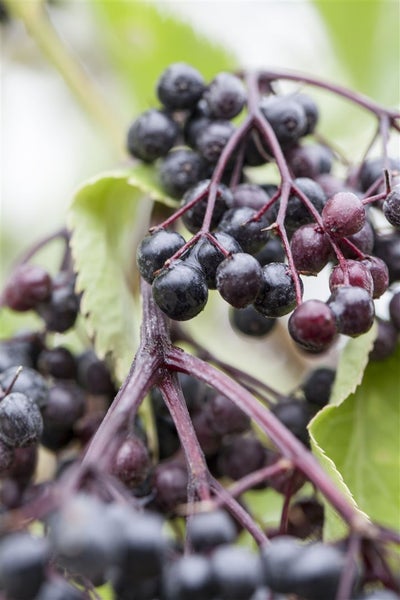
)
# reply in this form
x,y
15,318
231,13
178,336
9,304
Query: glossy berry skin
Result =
x,y
248,233
151,135
358,275
394,310
21,423
213,139
353,308
179,171
15,352
239,279
210,257
170,481
387,248
23,560
379,273
208,530
286,117
194,216
318,385
180,86
312,325
225,417
189,578
155,249
250,322
180,291
343,215
277,295
225,96
29,382
391,207
311,249
272,252
28,285
237,572
60,311
297,213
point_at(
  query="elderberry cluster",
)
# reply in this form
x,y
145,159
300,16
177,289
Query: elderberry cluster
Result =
x,y
252,241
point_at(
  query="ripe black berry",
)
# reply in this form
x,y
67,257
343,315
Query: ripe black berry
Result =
x,y
250,322
239,223
208,530
239,279
343,215
180,86
29,382
277,295
151,135
213,139
180,170
225,96
210,257
21,423
394,310
155,249
318,385
193,218
353,308
286,117
180,291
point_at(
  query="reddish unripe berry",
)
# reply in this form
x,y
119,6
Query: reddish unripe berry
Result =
x,y
353,308
27,286
357,274
311,249
312,325
343,214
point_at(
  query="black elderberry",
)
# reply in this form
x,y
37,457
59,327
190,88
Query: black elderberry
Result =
x,y
213,138
286,116
277,295
180,170
151,135
155,249
208,530
210,257
189,578
373,169
57,362
28,382
239,279
180,291
250,322
237,572
225,96
251,234
23,560
391,207
353,308
387,248
180,86
318,385
194,216
251,195
311,111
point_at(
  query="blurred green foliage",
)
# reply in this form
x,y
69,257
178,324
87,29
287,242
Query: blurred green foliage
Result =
x,y
365,35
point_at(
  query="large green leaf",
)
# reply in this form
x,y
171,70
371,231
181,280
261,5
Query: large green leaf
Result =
x,y
360,439
143,38
365,38
108,216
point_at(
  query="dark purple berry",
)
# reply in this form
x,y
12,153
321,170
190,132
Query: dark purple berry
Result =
x,y
151,135
277,295
208,530
387,248
210,257
286,117
357,274
23,560
251,195
194,216
21,423
213,139
391,207
373,169
155,249
379,273
311,249
312,326
132,462
385,342
250,322
28,382
311,160
311,111
239,279
180,86
180,291
180,170
353,308
225,96
249,232
57,362
318,386
394,310
27,286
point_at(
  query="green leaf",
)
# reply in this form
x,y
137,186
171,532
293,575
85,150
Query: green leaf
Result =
x,y
359,441
143,39
364,35
108,216
11,322
353,361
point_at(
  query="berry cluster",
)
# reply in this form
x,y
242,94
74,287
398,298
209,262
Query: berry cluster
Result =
x,y
252,241
211,432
